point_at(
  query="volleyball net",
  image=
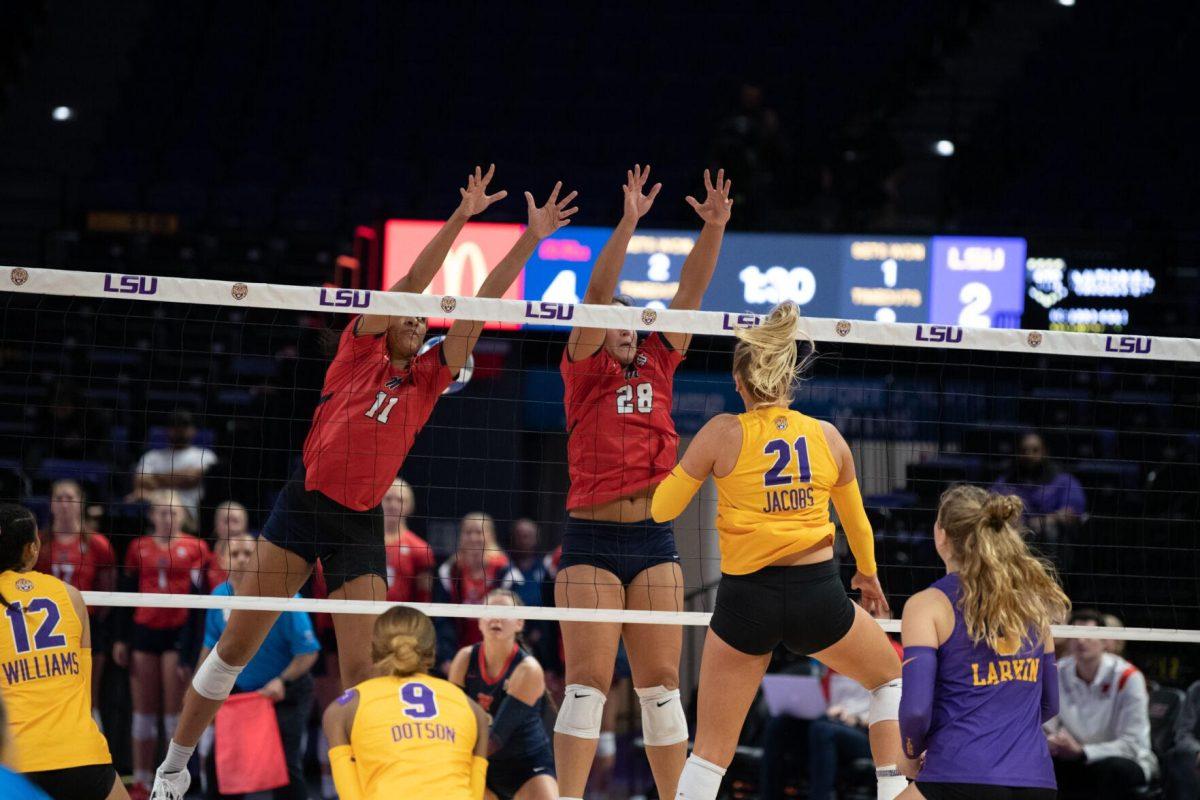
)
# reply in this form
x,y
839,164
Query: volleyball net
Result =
x,y
1101,433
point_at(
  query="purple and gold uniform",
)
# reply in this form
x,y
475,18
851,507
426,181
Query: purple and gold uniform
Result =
x,y
977,713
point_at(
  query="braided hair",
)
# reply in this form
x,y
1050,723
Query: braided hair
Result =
x,y
18,528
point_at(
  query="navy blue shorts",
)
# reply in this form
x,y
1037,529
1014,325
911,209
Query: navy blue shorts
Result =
x,y
626,549
505,778
348,543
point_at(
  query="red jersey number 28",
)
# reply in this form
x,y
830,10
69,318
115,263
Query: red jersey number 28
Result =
x,y
384,402
639,399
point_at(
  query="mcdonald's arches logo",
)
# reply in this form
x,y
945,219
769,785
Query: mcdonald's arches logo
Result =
x,y
475,253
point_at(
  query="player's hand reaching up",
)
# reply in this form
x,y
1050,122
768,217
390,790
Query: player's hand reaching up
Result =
x,y
871,597
637,201
475,198
717,203
555,214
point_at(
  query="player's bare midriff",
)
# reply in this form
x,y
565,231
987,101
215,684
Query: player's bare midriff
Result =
x,y
821,551
630,508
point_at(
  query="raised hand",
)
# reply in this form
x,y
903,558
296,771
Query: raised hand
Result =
x,y
552,216
717,203
475,198
637,202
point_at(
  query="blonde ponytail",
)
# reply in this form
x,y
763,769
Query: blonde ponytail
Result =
x,y
1007,592
403,642
765,359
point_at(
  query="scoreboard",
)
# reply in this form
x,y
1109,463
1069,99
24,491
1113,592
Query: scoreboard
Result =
x,y
952,280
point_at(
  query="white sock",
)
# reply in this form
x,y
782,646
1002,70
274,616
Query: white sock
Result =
x,y
701,780
177,757
889,782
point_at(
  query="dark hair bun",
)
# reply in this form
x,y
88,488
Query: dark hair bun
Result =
x,y
1002,509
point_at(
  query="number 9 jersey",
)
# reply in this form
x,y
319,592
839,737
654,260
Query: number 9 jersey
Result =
x,y
413,737
621,435
775,500
46,676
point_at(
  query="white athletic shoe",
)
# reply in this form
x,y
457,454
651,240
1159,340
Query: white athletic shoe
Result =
x,y
170,785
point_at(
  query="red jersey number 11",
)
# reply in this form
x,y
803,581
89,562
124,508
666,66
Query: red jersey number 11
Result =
x,y
382,417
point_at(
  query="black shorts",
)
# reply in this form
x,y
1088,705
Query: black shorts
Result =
x,y
804,608
626,549
348,543
505,778
92,782
982,791
155,640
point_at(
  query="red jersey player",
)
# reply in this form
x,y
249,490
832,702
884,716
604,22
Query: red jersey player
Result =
x,y
378,394
466,578
410,560
168,561
622,444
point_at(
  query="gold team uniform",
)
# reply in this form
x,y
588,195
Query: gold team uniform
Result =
x,y
413,737
774,503
46,677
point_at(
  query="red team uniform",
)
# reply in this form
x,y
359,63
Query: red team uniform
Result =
x,y
87,563
367,418
622,440
622,437
178,568
407,559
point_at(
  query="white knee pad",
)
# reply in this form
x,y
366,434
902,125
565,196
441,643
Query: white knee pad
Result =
x,y
885,702
170,723
214,679
581,712
607,746
145,726
663,721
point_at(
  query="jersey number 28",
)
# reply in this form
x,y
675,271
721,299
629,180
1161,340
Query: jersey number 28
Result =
x,y
644,394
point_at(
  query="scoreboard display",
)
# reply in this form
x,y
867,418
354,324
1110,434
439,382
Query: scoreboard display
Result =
x,y
951,280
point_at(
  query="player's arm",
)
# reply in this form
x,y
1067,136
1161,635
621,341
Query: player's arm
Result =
x,y
85,638
847,499
1049,678
672,496
602,285
479,758
555,214
336,722
457,674
919,634
524,689
475,199
702,260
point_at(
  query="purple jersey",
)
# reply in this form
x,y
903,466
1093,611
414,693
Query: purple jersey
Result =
x,y
986,725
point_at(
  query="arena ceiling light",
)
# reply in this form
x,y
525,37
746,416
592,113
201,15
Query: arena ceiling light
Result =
x,y
944,148
62,113
1067,3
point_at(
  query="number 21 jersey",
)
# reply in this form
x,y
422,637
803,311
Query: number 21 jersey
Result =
x,y
621,435
46,676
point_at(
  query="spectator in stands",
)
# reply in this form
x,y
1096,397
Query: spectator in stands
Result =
x,y
230,519
179,467
1182,770
1054,499
467,577
168,561
280,669
750,144
528,570
410,560
85,560
1100,740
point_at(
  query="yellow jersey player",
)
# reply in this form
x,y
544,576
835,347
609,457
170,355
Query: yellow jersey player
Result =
x,y
776,472
46,673
406,733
